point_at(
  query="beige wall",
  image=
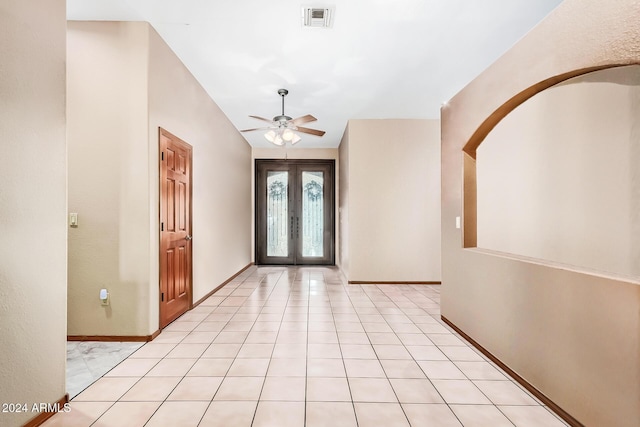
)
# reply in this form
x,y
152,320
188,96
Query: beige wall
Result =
x,y
573,335
108,177
291,153
556,176
221,184
33,208
342,258
393,202
124,82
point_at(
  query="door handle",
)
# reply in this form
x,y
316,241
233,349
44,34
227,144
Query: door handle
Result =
x,y
291,228
188,237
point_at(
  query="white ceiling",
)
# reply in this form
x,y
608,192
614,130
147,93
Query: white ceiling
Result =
x,y
381,59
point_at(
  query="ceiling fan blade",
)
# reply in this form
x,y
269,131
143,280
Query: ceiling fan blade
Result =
x,y
304,119
249,130
261,118
310,131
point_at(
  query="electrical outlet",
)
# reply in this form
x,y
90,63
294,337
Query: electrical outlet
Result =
x,y
104,297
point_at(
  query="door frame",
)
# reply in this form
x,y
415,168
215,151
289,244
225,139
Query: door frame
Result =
x,y
161,148
330,194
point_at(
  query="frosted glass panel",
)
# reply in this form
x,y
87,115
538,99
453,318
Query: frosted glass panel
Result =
x,y
312,214
277,213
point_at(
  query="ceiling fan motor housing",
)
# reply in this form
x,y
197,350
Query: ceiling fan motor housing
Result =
x,y
282,119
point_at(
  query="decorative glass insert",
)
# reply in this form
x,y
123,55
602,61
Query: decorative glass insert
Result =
x,y
277,213
312,214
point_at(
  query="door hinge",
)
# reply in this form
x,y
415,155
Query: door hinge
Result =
x,y
162,296
163,155
162,226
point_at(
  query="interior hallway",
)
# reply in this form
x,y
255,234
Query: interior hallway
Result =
x,y
296,346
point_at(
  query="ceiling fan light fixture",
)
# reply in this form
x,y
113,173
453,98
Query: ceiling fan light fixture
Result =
x,y
270,136
278,140
295,138
288,135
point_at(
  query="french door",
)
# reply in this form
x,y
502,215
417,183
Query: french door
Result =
x,y
295,211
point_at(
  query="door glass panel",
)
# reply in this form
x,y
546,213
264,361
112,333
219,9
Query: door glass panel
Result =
x,y
277,213
312,214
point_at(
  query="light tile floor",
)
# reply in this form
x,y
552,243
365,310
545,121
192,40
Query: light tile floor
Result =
x,y
88,361
294,346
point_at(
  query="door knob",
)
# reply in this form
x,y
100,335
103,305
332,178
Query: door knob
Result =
x,y
188,237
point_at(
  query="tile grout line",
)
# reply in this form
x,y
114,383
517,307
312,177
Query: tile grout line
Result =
x,y
228,369
427,376
378,357
449,360
255,413
344,365
198,358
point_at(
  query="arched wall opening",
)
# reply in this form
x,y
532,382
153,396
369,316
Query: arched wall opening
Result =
x,y
553,175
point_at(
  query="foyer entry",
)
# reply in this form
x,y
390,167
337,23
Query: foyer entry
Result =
x,y
295,212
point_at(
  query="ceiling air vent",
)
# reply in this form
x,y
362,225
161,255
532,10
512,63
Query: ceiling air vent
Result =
x,y
318,17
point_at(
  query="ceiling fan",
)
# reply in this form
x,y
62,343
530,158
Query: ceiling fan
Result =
x,y
282,127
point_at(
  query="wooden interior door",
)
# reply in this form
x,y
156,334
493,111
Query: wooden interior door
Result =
x,y
175,227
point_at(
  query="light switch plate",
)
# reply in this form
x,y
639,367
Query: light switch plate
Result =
x,y
73,219
457,222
